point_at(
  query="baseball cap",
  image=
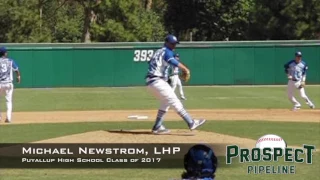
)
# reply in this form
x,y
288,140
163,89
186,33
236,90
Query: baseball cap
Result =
x,y
172,39
3,50
298,53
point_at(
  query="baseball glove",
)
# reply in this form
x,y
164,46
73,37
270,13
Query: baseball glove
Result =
x,y
302,85
185,76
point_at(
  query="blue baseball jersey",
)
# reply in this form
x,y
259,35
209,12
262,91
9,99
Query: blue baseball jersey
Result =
x,y
296,70
7,66
161,62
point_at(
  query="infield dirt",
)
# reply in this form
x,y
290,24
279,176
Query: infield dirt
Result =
x,y
209,114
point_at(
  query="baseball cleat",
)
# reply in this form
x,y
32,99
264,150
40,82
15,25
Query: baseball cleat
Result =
x,y
312,106
161,130
196,123
7,121
295,108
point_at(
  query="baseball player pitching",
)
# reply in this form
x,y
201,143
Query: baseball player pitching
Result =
x,y
175,80
156,81
296,71
7,66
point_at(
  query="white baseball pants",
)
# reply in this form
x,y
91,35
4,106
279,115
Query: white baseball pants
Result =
x,y
7,90
177,82
165,94
291,88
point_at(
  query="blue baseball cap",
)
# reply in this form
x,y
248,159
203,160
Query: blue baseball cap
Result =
x,y
3,50
172,39
298,53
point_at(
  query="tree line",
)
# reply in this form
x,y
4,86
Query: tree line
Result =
x,y
150,20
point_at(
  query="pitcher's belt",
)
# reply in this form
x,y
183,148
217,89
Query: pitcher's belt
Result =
x,y
152,78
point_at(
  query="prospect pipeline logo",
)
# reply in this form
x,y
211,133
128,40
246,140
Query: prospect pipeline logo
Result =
x,y
270,148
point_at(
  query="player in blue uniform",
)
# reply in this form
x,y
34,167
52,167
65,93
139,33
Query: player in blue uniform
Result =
x,y
7,66
156,81
296,71
175,80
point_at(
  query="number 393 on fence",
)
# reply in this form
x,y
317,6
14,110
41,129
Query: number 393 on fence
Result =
x,y
142,55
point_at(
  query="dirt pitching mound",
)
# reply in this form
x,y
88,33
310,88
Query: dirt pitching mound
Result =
x,y
219,141
216,140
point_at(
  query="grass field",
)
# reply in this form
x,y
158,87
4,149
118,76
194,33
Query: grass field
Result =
x,y
139,98
37,112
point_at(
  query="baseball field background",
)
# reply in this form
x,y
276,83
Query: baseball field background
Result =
x,y
125,64
236,114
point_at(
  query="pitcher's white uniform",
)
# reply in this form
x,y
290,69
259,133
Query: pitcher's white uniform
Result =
x,y
156,81
176,82
157,78
298,72
7,66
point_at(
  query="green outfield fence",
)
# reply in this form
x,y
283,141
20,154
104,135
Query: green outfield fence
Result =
x,y
125,64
